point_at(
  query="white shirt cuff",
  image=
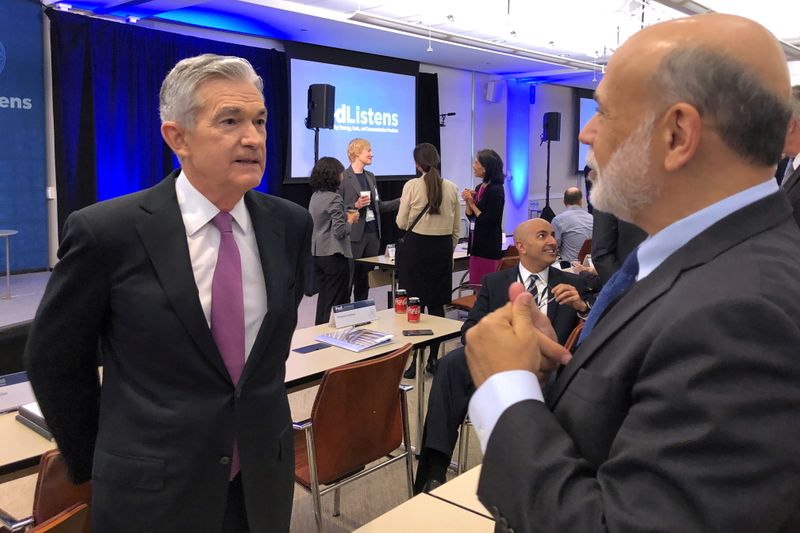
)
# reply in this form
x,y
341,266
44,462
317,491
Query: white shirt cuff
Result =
x,y
497,394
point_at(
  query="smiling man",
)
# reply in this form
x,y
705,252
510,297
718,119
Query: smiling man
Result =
x,y
560,296
678,410
190,290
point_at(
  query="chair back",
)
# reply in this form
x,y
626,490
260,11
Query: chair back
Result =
x,y
586,248
511,251
54,491
356,415
573,337
72,520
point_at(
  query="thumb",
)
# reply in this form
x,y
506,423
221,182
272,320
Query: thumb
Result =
x,y
521,321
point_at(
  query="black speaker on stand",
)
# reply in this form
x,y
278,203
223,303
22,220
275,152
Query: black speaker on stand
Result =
x,y
321,99
551,131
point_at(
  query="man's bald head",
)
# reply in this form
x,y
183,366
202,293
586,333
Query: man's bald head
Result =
x,y
536,243
729,68
690,111
573,196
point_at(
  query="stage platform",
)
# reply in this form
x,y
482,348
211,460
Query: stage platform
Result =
x,y
16,315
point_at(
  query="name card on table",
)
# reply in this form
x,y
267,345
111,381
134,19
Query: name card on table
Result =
x,y
352,314
15,390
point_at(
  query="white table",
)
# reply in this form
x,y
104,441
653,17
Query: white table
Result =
x,y
427,514
463,491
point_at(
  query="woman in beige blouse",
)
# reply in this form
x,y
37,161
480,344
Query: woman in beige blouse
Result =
x,y
426,269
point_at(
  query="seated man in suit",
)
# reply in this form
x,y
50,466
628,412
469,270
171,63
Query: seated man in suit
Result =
x,y
560,296
678,409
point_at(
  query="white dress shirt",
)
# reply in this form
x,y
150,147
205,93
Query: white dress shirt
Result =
x,y
542,287
504,389
203,239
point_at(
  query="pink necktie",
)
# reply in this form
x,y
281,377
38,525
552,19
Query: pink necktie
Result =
x,y
227,308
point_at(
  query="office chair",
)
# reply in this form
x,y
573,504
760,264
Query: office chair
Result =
x,y
54,494
360,415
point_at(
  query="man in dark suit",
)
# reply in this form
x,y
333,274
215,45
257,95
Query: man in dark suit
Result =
x,y
452,386
612,240
360,190
190,291
791,175
678,410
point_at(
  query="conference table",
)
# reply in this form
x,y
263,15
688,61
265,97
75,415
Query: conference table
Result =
x,y
387,264
20,447
303,370
452,507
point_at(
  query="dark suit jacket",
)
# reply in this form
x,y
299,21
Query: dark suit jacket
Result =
x,y
612,240
793,190
493,295
351,190
157,442
486,237
680,410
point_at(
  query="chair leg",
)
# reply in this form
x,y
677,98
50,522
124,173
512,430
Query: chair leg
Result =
x,y
312,469
463,447
407,440
337,501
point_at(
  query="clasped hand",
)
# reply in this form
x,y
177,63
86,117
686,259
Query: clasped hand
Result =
x,y
515,337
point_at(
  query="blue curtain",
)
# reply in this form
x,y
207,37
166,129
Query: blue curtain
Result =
x,y
106,79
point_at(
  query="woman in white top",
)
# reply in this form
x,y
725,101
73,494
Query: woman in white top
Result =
x,y
426,267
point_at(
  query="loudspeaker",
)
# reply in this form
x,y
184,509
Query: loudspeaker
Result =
x,y
492,93
551,126
320,106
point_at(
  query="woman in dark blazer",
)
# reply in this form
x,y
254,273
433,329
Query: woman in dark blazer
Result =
x,y
485,213
330,243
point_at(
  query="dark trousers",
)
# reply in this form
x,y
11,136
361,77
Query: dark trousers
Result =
x,y
235,520
448,403
368,246
332,274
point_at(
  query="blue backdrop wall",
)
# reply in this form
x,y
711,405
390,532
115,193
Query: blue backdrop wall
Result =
x,y
22,150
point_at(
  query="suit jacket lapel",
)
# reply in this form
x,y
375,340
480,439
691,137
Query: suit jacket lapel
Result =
x,y
164,238
721,236
270,236
792,180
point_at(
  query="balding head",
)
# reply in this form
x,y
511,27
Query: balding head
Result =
x,y
536,242
703,99
573,196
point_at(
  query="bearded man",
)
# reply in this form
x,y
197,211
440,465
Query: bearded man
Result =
x,y
678,410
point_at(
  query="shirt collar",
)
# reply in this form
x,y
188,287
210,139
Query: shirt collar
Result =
x,y
574,208
657,248
197,210
525,274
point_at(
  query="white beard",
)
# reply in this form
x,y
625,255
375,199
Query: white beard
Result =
x,y
625,186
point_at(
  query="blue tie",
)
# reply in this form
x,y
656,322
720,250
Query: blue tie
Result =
x,y
620,282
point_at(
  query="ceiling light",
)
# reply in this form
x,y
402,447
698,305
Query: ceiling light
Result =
x,y
457,39
63,6
132,19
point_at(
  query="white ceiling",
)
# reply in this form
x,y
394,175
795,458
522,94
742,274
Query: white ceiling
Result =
x,y
462,32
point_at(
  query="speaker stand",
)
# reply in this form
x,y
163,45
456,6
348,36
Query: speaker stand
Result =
x,y
547,213
316,145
